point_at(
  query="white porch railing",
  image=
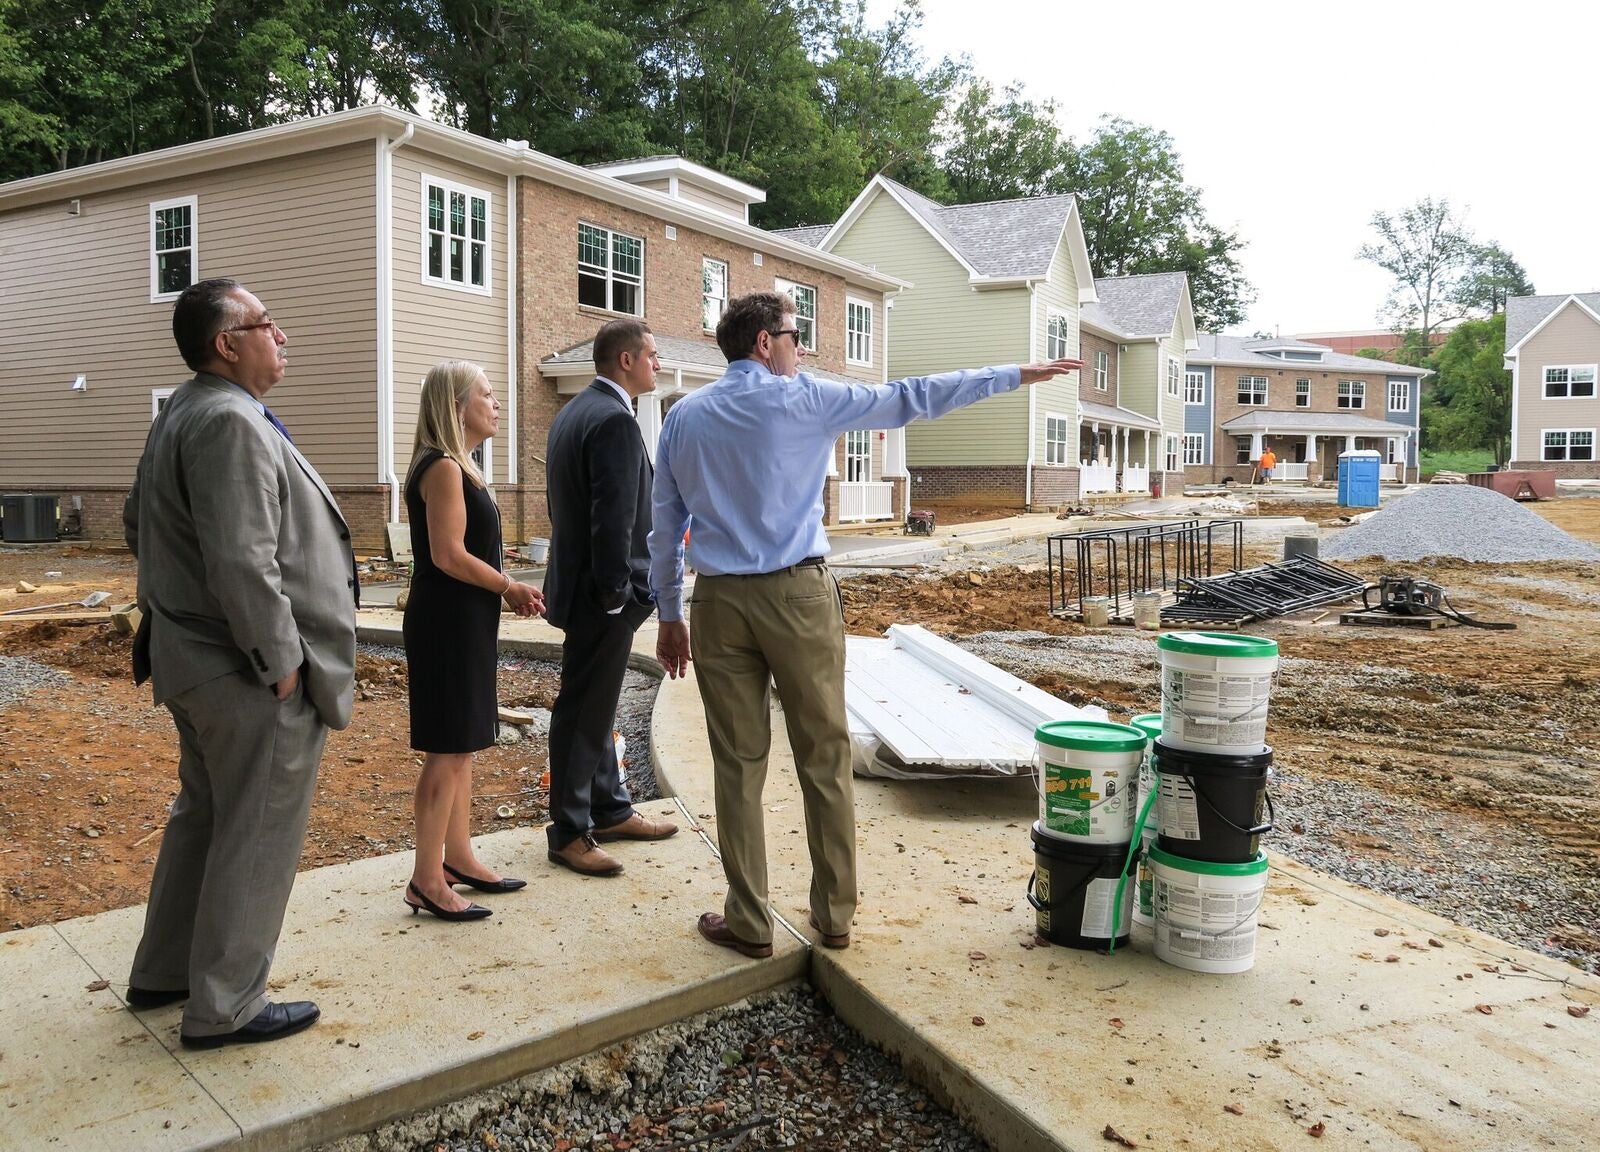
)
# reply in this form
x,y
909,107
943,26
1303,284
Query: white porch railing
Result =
x,y
1389,473
1287,470
1096,477
1135,478
866,500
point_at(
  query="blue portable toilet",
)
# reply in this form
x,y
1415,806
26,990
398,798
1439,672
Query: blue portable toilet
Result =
x,y
1358,478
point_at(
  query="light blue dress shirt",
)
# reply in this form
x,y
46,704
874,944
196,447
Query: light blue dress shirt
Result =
x,y
742,464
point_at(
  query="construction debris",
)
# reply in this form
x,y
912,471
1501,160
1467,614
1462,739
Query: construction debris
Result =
x,y
1275,589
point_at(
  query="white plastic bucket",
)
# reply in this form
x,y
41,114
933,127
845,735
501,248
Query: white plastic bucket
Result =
x,y
1205,913
1096,611
1088,779
1214,691
538,550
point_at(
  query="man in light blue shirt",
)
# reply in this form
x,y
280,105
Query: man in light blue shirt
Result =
x,y
741,465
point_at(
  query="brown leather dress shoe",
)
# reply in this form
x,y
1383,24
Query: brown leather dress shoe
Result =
x,y
637,827
715,928
831,939
586,858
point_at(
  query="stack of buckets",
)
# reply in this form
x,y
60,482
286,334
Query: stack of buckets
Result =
x,y
1200,766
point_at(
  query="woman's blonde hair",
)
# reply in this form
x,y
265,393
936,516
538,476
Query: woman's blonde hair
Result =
x,y
445,391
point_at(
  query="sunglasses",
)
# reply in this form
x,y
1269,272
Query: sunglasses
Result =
x,y
795,332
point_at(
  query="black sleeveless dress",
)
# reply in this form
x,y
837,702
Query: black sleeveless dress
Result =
x,y
450,629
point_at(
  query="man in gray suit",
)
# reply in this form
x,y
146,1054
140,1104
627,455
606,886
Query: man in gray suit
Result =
x,y
247,585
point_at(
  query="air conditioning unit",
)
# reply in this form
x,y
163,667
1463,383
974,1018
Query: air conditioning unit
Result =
x,y
28,519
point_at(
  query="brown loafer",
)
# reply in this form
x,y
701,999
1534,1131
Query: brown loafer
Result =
x,y
637,827
831,939
586,858
715,929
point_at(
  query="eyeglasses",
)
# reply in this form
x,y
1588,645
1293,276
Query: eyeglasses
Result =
x,y
795,332
269,323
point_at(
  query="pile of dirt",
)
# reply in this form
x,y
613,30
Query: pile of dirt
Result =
x,y
1002,599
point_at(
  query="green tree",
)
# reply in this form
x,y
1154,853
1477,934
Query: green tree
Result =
x,y
1003,149
1492,276
1427,249
1470,403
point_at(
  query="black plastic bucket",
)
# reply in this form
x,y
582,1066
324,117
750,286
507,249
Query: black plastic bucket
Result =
x,y
1073,891
1213,808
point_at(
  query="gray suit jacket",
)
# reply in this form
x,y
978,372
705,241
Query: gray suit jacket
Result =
x,y
245,563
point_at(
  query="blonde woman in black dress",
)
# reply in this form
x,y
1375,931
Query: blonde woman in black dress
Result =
x,y
451,621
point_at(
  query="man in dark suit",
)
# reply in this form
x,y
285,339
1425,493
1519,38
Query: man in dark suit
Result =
x,y
247,585
597,591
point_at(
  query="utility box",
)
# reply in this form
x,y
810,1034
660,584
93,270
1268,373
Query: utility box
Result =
x,y
1358,478
28,519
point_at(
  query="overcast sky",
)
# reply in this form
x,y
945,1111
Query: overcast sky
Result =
x,y
1298,120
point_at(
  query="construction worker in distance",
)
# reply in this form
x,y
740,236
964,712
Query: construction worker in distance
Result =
x,y
1269,461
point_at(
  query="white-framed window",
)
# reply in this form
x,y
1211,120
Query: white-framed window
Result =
x,y
1172,454
857,331
455,235
858,456
158,401
1569,381
1252,390
610,270
805,310
1194,447
1102,370
1399,397
1194,387
1057,336
713,292
1241,450
174,246
1352,393
1302,392
1056,430
1567,444
1388,450
1174,376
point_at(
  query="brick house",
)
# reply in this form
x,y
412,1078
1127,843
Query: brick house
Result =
x,y
1303,400
1553,351
384,242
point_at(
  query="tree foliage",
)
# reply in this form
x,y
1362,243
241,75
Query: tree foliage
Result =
x,y
1426,248
1492,277
1470,403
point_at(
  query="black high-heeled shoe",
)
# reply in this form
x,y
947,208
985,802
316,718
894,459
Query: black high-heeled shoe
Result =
x,y
470,912
503,885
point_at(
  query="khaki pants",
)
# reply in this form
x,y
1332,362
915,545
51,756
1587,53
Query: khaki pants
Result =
x,y
747,632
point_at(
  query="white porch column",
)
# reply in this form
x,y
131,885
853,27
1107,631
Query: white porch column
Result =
x,y
650,423
1349,443
1094,442
894,453
1311,449
1255,446
1147,458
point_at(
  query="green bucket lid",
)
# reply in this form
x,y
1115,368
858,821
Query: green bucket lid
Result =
x,y
1090,736
1227,645
1210,867
1148,723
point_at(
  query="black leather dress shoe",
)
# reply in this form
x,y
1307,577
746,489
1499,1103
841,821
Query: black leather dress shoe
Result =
x,y
273,1022
154,997
506,884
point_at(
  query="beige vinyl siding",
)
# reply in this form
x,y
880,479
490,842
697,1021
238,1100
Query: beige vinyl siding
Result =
x,y
1137,386
433,322
299,232
1571,337
939,324
706,198
1172,406
1059,293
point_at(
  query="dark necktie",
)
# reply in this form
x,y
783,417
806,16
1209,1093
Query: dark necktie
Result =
x,y
276,423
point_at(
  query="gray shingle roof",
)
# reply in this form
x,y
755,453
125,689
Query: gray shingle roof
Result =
x,y
1000,238
1278,420
1136,305
1223,349
1524,313
1105,413
679,352
809,234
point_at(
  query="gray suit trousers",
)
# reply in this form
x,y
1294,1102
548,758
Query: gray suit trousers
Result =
x,y
247,771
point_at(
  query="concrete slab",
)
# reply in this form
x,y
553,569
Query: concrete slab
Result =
x,y
416,1011
1466,1045
78,1071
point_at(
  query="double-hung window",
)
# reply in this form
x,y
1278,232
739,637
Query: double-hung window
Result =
x,y
1174,375
1055,438
1302,392
1252,390
1569,381
1241,450
174,247
1194,387
1194,447
610,270
1102,371
1172,454
1057,329
857,331
1568,444
858,456
455,235
1399,396
713,292
805,310
1352,393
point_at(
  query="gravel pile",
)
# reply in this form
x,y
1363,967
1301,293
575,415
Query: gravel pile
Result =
x,y
1456,520
777,1071
20,676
